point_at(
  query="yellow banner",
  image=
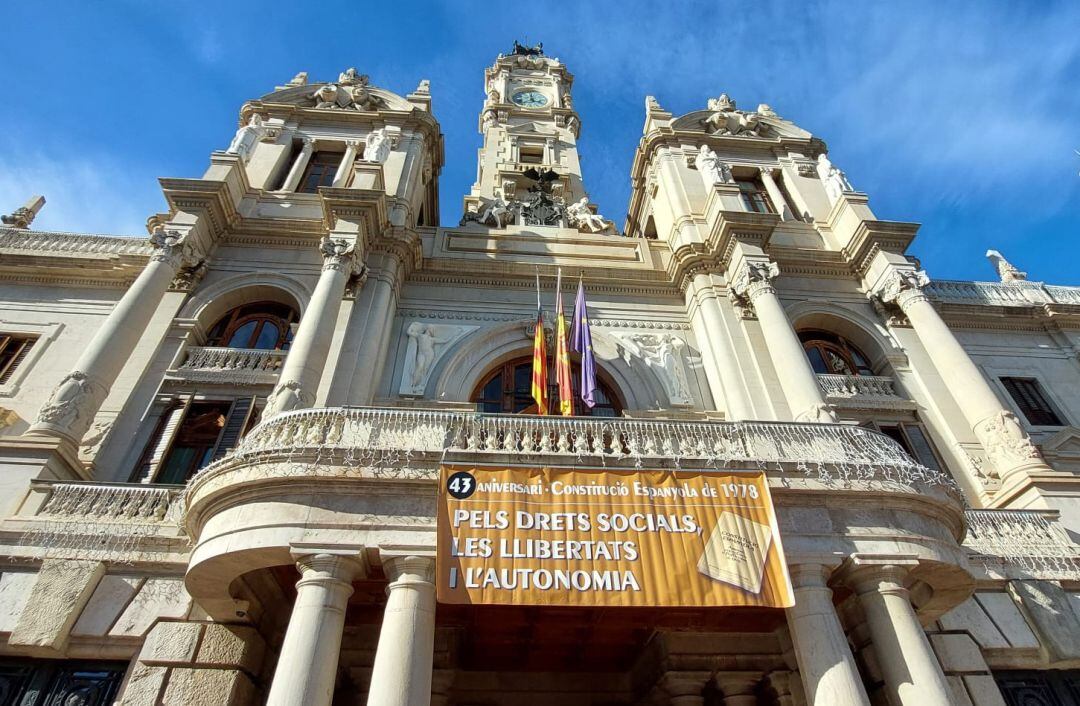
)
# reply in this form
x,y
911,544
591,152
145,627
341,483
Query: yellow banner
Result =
x,y
547,536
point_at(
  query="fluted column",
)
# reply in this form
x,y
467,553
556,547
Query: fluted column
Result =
x,y
299,165
912,673
303,367
307,666
401,675
827,667
726,367
74,402
1008,447
341,176
753,282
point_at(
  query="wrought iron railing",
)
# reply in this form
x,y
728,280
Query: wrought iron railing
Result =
x,y
1030,539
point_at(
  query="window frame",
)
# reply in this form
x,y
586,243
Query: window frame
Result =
x,y
44,335
237,318
507,398
1041,391
842,347
317,159
910,449
759,191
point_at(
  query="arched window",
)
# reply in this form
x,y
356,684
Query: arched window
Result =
x,y
262,325
832,354
508,390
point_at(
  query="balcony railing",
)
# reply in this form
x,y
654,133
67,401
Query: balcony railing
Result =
x,y
112,520
379,437
55,242
1022,293
1029,539
862,391
238,366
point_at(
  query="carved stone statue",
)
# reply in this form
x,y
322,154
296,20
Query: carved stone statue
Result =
x,y
522,50
726,120
427,342
362,98
1007,271
661,353
567,100
497,210
23,216
836,182
712,170
488,118
350,77
377,146
243,143
326,96
580,216
764,109
493,95
1005,442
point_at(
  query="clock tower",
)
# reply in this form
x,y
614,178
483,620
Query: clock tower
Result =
x,y
529,171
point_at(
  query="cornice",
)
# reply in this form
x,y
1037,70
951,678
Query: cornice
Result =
x,y
202,197
872,237
714,254
419,120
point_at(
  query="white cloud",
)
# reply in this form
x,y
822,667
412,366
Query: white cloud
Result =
x,y
83,193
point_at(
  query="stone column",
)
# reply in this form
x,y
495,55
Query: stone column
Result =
x,y
736,401
341,176
74,402
683,688
776,194
1008,447
826,664
737,688
376,334
307,667
299,165
303,367
912,673
401,675
753,282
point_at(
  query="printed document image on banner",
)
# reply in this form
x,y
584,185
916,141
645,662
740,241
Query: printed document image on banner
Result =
x,y
573,537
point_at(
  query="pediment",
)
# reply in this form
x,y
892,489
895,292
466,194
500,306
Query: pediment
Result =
x,y
304,96
1065,444
777,127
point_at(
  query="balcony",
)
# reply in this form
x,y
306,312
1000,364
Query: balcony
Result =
x,y
107,521
862,392
1031,540
229,366
403,439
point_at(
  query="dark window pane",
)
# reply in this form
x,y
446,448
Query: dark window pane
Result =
x,y
924,453
817,361
1029,397
241,337
268,337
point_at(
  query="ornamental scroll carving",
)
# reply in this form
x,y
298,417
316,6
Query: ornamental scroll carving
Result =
x,y
904,288
338,255
727,120
170,247
1005,442
286,396
69,401
351,92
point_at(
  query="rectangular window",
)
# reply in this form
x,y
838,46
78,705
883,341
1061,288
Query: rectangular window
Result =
x,y
1052,687
754,197
320,171
192,434
13,350
1029,397
531,154
43,682
913,439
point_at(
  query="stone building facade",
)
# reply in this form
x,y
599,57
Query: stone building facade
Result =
x,y
219,443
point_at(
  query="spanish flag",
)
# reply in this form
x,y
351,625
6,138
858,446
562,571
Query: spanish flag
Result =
x,y
539,370
562,356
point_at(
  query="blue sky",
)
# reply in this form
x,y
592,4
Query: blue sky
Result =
x,y
961,116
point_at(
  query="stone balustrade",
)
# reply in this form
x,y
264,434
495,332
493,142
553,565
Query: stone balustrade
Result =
x,y
862,391
240,366
112,503
371,437
59,242
1022,293
1030,539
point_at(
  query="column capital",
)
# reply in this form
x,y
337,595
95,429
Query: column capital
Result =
x,y
680,684
339,255
885,575
810,575
754,278
411,568
904,288
330,564
737,688
171,247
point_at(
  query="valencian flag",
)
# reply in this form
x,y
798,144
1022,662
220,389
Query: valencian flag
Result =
x,y
539,368
562,356
581,342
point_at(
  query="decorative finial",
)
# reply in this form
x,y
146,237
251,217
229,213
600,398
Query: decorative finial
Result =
x,y
22,217
1007,271
651,104
299,79
423,87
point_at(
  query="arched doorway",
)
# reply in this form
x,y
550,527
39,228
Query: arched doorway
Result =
x,y
507,389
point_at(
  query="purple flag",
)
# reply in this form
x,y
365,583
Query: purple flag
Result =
x,y
581,342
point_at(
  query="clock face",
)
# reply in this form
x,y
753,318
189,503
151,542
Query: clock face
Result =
x,y
530,99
